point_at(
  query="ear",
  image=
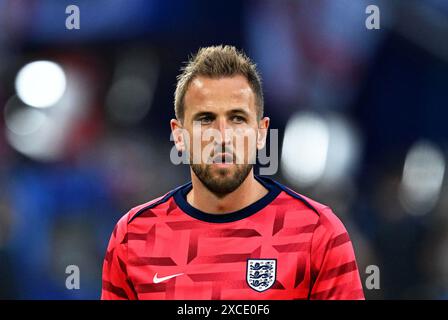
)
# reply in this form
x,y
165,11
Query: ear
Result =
x,y
177,131
263,126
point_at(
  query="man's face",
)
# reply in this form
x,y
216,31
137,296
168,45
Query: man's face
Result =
x,y
220,118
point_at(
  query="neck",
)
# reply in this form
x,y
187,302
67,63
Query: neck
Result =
x,y
203,199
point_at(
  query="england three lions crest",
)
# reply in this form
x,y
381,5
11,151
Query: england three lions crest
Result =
x,y
261,273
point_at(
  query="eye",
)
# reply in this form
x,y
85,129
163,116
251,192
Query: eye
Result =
x,y
206,120
238,119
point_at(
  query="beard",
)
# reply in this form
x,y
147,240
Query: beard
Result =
x,y
221,183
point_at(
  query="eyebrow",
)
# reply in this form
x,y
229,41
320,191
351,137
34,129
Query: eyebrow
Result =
x,y
200,114
238,110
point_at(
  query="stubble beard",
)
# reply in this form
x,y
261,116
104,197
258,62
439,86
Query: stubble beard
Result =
x,y
221,183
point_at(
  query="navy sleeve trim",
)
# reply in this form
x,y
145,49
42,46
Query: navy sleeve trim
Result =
x,y
162,200
291,193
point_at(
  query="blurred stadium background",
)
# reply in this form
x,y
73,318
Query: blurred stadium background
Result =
x,y
84,134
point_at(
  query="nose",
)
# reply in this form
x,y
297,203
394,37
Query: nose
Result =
x,y
225,137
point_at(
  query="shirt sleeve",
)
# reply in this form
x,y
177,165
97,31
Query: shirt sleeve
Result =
x,y
334,271
115,283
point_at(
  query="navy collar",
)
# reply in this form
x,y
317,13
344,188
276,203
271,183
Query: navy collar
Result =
x,y
181,200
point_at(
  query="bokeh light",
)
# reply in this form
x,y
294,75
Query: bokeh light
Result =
x,y
41,84
422,180
305,148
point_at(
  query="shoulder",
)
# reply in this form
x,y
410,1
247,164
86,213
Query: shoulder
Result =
x,y
147,209
321,213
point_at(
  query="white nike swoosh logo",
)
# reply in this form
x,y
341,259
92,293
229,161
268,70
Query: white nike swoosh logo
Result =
x,y
158,280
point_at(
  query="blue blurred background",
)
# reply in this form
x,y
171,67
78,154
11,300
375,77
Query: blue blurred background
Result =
x,y
85,135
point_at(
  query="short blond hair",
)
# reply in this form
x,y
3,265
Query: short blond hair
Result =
x,y
216,62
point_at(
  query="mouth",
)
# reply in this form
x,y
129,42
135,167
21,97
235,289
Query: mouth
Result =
x,y
223,158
